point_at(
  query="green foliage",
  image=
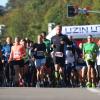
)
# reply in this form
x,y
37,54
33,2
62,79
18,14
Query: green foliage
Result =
x,y
95,18
27,18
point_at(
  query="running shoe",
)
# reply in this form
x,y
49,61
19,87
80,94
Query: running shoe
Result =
x,y
88,84
37,84
93,85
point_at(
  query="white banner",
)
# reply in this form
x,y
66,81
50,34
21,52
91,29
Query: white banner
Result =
x,y
81,31
78,31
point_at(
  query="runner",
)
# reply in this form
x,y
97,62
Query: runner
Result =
x,y
40,60
90,49
57,43
81,66
1,70
16,56
69,62
48,69
74,73
98,64
8,69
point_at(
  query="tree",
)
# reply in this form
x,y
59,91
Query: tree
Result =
x,y
27,18
95,17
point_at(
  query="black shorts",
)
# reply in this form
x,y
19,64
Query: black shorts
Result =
x,y
48,62
1,66
98,70
19,63
69,68
59,60
92,63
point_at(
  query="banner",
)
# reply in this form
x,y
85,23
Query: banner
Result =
x,y
81,31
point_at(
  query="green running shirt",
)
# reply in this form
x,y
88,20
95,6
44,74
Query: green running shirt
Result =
x,y
90,50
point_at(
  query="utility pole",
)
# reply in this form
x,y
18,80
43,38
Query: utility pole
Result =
x,y
93,11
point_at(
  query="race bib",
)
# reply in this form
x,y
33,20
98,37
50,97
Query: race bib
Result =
x,y
58,54
17,54
89,56
40,53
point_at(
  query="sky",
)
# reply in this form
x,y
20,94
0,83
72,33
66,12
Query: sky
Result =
x,y
3,2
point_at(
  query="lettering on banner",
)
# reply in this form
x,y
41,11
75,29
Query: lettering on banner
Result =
x,y
86,29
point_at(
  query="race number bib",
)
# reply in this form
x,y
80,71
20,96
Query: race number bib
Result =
x,y
17,54
58,54
89,56
40,53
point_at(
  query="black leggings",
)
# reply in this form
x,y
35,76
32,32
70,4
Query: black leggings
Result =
x,y
98,70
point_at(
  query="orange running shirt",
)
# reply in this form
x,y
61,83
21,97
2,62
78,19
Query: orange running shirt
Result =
x,y
17,52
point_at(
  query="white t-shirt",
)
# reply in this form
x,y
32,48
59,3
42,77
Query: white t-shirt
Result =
x,y
69,57
98,57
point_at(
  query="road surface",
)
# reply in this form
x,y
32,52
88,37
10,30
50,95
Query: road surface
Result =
x,y
29,93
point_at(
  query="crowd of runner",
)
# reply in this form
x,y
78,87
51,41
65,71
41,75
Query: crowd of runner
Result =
x,y
58,62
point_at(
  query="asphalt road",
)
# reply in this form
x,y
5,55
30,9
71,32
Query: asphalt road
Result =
x,y
49,94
